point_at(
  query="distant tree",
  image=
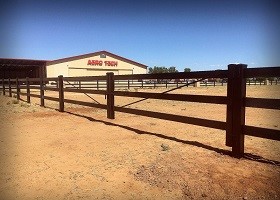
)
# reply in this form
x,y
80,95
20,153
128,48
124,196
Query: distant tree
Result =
x,y
150,70
156,70
172,70
187,69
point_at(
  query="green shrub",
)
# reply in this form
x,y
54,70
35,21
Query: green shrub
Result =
x,y
164,147
15,101
25,105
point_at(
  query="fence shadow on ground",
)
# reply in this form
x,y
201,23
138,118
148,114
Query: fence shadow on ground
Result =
x,y
247,156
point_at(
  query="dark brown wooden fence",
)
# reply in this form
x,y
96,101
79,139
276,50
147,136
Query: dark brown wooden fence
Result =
x,y
159,83
236,77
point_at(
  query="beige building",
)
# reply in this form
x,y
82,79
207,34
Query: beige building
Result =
x,y
93,64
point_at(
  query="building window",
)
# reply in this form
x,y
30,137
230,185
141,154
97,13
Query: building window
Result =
x,y
102,56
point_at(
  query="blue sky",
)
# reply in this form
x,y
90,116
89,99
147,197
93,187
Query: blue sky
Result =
x,y
201,35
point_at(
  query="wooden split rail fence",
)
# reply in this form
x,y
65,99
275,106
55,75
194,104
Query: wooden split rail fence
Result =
x,y
235,100
148,83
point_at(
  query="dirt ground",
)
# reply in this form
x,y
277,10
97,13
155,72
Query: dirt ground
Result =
x,y
80,154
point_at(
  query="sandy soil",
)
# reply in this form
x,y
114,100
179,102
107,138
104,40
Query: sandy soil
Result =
x,y
80,154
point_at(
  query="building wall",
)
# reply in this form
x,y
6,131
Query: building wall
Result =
x,y
81,67
57,69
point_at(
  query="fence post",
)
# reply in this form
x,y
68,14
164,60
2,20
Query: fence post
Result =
x,y
128,86
236,93
10,89
27,90
42,92
142,83
18,89
197,83
110,95
61,93
80,85
3,86
97,84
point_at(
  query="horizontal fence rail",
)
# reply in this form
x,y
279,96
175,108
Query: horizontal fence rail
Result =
x,y
262,103
86,78
89,104
85,91
51,98
51,89
262,132
177,97
262,72
176,118
236,78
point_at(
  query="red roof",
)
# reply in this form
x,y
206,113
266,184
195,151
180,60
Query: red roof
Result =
x,y
61,60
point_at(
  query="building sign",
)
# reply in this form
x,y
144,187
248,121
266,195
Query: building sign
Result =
x,y
100,63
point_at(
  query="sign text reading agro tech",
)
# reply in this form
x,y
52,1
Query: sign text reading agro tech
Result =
x,y
100,63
